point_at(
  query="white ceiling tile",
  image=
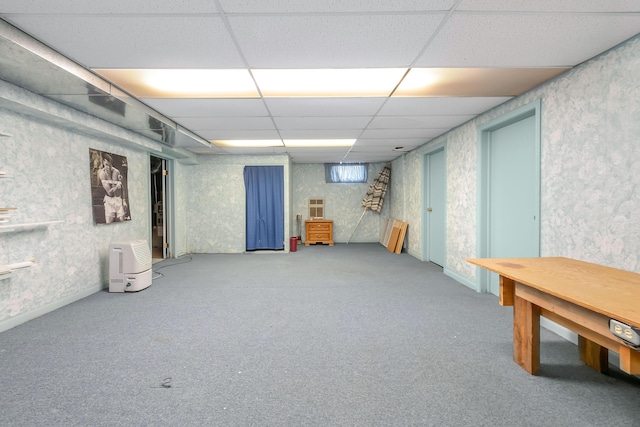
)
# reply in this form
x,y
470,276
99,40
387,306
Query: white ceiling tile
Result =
x,y
376,150
315,158
333,6
290,123
136,42
328,41
319,133
526,40
315,150
439,106
370,157
549,5
418,122
312,155
239,134
403,133
373,143
255,151
105,7
209,107
199,124
326,34
324,106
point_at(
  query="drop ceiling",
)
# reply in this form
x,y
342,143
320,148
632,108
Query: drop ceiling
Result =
x,y
493,50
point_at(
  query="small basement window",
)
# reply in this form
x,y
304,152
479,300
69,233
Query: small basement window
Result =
x,y
345,173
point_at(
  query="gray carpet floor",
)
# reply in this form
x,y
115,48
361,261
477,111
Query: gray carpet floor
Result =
x,y
349,335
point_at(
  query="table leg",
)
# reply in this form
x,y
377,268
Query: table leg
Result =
x,y
629,360
507,291
526,335
593,354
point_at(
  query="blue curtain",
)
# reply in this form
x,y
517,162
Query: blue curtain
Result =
x,y
265,207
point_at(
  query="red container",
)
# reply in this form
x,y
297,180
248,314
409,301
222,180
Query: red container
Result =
x,y
293,245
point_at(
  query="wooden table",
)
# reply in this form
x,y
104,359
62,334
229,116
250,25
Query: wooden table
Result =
x,y
577,295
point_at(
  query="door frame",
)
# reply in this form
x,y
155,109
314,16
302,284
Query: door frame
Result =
x,y
483,187
168,207
285,210
425,220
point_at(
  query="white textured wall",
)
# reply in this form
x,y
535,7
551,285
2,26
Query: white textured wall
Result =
x,y
215,201
50,181
591,161
342,203
590,195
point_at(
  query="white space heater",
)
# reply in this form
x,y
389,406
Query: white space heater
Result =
x,y
129,266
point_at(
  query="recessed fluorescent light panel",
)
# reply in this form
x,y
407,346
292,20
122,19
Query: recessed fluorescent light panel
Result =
x,y
315,143
366,82
291,143
183,83
249,143
473,81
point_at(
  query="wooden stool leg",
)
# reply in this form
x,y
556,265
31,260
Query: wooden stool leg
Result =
x,y
526,335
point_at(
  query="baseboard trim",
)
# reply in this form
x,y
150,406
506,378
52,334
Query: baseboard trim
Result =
x,y
414,254
468,283
12,322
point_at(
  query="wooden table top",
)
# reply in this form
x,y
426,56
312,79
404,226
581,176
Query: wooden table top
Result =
x,y
612,292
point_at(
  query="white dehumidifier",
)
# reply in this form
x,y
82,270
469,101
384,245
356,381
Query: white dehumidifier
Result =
x,y
129,266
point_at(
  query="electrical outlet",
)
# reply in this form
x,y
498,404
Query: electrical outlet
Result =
x,y
628,334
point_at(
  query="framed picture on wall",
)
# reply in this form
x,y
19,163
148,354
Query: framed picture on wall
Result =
x,y
109,192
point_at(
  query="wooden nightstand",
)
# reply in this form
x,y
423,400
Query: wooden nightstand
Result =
x,y
319,231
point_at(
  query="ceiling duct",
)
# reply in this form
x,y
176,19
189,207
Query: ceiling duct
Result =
x,y
28,63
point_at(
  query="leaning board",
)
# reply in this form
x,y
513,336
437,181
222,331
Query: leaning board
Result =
x,y
393,234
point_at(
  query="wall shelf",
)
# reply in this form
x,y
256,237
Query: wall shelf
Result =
x,y
7,228
6,271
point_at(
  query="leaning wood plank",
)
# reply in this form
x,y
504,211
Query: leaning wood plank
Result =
x,y
387,232
393,240
403,232
384,230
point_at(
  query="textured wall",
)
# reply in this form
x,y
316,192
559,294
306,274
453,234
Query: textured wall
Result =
x,y
589,173
50,181
591,161
342,202
180,209
215,201
406,199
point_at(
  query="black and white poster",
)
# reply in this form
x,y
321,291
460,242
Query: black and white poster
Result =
x,y
109,192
